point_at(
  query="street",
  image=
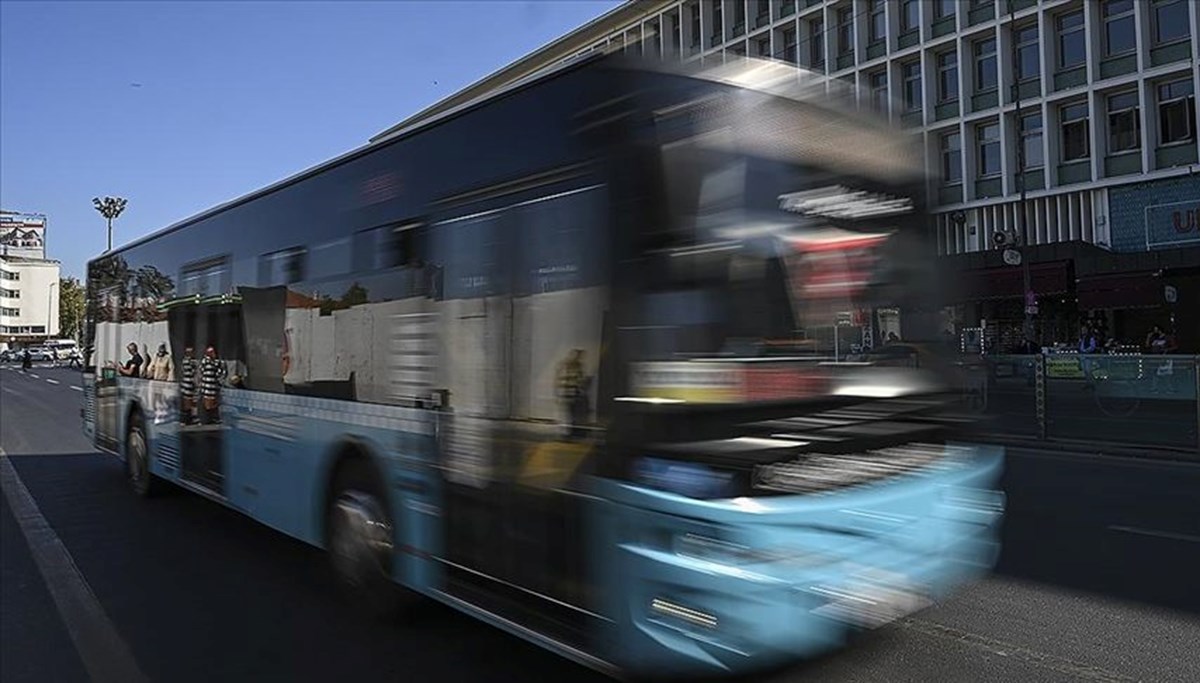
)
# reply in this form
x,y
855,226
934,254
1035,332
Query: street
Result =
x,y
1096,582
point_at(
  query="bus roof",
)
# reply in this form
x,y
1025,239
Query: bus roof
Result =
x,y
356,152
770,77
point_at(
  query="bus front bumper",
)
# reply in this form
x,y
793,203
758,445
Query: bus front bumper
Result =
x,y
794,582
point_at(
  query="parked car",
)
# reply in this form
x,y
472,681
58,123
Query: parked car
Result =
x,y
39,353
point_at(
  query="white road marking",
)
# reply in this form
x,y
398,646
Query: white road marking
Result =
x,y
105,654
52,381
1159,534
35,376
77,388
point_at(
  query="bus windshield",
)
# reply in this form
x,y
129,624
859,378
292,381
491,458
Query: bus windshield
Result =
x,y
760,258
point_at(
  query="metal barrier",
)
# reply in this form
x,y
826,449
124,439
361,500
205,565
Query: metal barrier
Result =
x,y
1130,400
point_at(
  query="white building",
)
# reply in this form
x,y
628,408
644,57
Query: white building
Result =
x,y
28,299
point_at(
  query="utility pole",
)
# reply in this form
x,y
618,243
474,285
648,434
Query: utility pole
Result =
x,y
110,208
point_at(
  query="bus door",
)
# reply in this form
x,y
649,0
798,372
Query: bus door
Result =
x,y
106,350
520,359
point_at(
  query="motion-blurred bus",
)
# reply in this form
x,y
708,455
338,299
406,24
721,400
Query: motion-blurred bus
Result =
x,y
563,358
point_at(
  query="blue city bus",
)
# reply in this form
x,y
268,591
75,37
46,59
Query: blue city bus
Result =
x,y
573,358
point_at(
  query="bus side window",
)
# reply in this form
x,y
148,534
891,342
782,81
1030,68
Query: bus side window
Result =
x,y
282,267
390,246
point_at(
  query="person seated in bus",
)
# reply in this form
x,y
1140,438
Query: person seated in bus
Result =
x,y
133,366
187,386
212,374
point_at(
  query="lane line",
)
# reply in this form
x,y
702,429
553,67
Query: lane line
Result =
x,y
35,376
1001,648
105,654
1156,533
52,381
77,388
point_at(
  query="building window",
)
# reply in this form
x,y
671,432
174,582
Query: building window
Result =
x,y
1119,34
1028,62
1124,124
1072,48
10,293
1169,19
763,47
947,66
910,15
9,311
764,13
816,42
1075,132
789,45
695,14
1031,141
911,74
943,8
988,139
845,19
878,21
718,27
9,275
879,95
985,65
673,28
951,144
739,18
1177,112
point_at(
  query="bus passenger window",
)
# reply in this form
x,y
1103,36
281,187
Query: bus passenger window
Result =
x,y
390,246
282,267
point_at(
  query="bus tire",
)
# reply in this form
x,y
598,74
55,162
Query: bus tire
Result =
x,y
137,458
360,540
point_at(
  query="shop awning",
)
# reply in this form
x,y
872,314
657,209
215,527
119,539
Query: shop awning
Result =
x,y
1009,281
1120,290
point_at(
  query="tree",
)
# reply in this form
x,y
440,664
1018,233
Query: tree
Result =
x,y
71,306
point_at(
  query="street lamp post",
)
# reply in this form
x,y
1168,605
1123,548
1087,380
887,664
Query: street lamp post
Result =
x,y
110,208
1023,237
50,307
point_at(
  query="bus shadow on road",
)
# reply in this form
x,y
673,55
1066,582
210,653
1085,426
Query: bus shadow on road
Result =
x,y
1120,529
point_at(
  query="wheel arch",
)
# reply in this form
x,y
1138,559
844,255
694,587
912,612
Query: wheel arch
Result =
x,y
350,450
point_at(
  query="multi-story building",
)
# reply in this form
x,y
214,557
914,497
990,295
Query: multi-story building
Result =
x,y
1090,105
28,281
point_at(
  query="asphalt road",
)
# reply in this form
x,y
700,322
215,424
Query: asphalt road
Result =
x,y
1097,582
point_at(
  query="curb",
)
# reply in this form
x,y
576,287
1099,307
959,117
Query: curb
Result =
x,y
1097,448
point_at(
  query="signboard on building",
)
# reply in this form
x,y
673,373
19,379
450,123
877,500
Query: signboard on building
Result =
x,y
22,234
1173,225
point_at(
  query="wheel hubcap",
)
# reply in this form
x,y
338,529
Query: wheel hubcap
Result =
x,y
361,542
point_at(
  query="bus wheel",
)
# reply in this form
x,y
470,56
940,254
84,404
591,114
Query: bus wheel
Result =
x,y
360,541
137,458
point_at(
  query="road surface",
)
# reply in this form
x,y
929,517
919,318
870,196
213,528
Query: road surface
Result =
x,y
1097,582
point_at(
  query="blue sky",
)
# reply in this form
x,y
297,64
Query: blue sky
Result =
x,y
179,105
